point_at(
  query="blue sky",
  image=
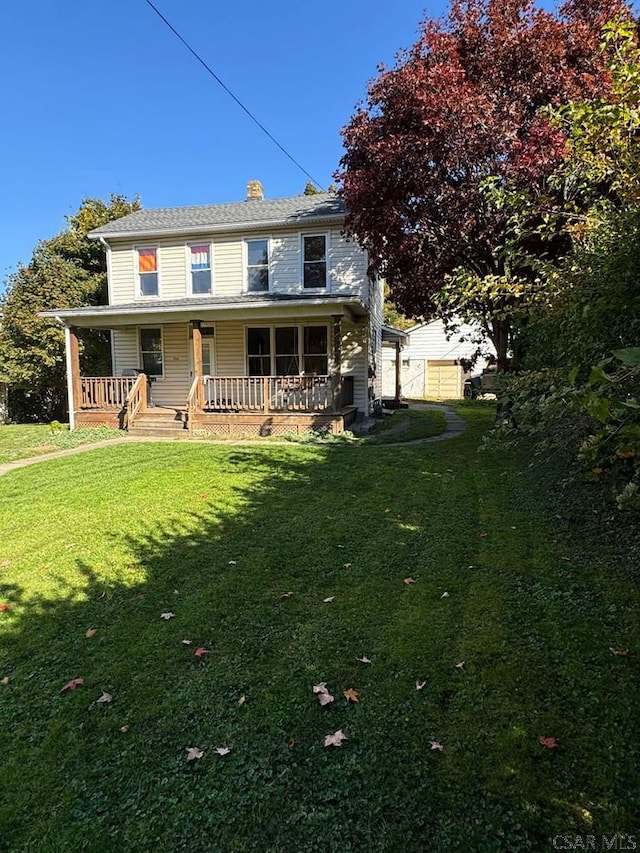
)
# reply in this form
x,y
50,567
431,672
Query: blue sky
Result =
x,y
101,97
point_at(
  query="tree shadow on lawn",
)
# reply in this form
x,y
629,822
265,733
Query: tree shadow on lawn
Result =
x,y
245,552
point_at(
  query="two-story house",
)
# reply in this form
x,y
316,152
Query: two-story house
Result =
x,y
251,318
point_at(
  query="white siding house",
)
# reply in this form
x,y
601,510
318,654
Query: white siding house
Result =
x,y
247,317
431,361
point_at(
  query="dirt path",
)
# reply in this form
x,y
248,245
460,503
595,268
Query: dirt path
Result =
x,y
455,425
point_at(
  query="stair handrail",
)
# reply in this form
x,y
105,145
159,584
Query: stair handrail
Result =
x,y
193,403
137,399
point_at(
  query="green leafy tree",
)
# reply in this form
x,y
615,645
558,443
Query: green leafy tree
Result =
x,y
69,270
463,106
311,189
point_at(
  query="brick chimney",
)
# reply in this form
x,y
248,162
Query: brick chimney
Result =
x,y
254,191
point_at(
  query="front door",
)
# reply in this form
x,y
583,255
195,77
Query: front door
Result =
x,y
208,355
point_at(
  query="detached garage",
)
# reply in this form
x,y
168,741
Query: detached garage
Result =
x,y
430,362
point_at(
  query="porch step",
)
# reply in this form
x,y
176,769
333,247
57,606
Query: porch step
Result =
x,y
161,423
159,432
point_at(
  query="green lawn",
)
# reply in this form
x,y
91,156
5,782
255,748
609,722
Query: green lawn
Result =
x,y
19,441
110,540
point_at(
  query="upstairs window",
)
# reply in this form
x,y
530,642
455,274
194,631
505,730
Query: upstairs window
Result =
x,y
148,272
314,261
257,266
200,269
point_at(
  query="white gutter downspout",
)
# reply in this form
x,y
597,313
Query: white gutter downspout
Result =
x,y
67,346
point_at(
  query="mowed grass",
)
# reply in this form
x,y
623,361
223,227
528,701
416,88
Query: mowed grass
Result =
x,y
217,535
20,441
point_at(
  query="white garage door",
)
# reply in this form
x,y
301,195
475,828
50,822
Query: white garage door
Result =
x,y
445,380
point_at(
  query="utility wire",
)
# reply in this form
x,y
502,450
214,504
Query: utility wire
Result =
x,y
235,98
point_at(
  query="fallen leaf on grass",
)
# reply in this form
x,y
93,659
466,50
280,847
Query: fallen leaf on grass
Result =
x,y
5,564
445,595
346,565
186,642
194,753
286,595
320,688
434,744
5,680
124,729
351,695
105,699
460,664
70,545
335,739
205,496
409,581
420,685
167,615
364,659
4,607
71,685
548,742
232,563
291,742
91,632
176,592
482,534
201,652
329,599
620,652
325,699
242,700
222,750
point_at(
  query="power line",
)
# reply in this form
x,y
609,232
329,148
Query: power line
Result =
x,y
229,92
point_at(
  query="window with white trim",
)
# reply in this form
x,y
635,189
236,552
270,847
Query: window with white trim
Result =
x,y
314,261
257,266
287,350
151,351
259,351
148,272
200,260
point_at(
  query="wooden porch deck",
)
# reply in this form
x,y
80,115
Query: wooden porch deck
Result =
x,y
225,406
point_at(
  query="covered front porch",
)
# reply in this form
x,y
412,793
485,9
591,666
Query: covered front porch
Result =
x,y
172,376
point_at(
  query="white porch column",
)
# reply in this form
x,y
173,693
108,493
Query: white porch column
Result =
x,y
69,358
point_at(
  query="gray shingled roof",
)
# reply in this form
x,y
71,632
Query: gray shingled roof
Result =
x,y
297,210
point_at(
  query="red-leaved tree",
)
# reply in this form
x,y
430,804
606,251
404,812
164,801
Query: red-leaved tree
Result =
x,y
461,106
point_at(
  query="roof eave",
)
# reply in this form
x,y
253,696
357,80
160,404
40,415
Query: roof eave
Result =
x,y
219,228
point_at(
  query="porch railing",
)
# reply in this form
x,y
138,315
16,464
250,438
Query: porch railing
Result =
x,y
105,392
270,393
137,399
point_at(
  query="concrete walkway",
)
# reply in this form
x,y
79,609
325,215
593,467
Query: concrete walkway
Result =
x,y
455,425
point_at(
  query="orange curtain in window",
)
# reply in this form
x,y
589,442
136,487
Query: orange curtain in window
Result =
x,y
147,260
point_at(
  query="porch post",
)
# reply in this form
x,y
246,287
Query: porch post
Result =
x,y
197,360
398,373
74,388
336,373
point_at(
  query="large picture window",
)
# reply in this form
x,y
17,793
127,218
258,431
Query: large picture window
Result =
x,y
316,359
259,351
148,272
151,351
200,257
314,264
257,266
287,350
